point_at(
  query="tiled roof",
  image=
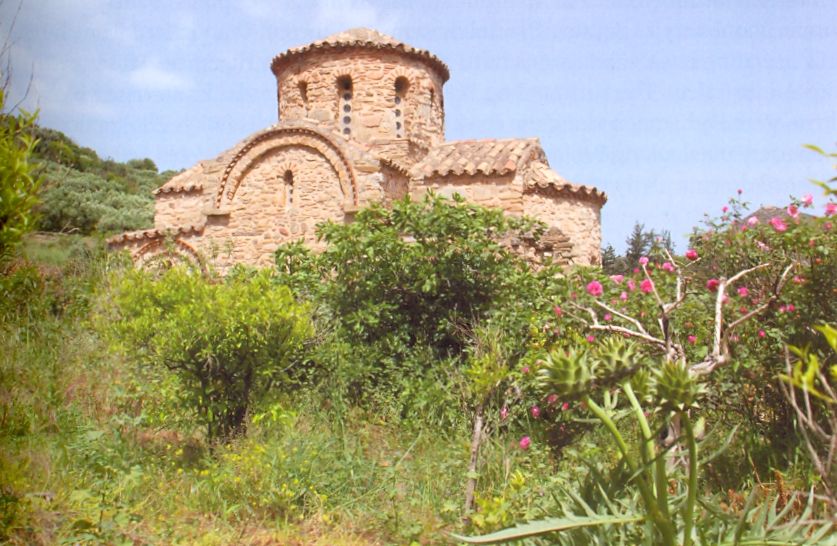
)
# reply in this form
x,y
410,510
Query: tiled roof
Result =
x,y
541,176
488,157
149,234
360,38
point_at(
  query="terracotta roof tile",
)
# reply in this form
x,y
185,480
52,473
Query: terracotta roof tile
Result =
x,y
487,156
542,177
360,38
155,233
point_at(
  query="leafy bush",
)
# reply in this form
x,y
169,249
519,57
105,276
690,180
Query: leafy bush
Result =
x,y
18,182
226,342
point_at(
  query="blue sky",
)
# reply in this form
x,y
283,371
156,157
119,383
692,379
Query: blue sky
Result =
x,y
668,106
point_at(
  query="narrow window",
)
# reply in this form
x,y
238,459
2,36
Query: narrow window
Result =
x,y
289,189
401,87
303,94
344,103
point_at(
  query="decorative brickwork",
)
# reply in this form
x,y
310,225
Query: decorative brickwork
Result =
x,y
361,120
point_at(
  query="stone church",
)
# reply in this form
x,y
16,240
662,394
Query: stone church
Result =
x,y
361,120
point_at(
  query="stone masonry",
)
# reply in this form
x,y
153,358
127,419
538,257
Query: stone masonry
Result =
x,y
361,120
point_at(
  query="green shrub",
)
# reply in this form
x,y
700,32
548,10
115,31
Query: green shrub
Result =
x,y
226,342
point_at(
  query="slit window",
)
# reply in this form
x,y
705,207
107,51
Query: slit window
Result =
x,y
344,103
401,87
289,189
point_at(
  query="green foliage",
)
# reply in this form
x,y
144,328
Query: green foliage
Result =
x,y
226,342
84,193
19,183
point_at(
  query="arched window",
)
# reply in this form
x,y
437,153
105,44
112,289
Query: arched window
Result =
x,y
344,103
289,189
402,85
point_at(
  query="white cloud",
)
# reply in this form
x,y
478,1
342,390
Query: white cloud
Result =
x,y
157,78
335,15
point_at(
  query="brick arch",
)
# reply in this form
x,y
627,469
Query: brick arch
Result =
x,y
176,251
263,145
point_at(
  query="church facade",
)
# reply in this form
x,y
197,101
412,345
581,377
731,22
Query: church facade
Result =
x,y
361,120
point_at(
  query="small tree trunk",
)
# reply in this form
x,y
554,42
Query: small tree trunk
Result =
x,y
476,439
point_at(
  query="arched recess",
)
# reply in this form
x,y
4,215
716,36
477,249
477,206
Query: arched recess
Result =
x,y
272,140
162,253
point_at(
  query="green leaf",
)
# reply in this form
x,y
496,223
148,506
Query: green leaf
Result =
x,y
545,526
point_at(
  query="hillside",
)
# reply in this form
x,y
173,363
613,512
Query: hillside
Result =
x,y
85,193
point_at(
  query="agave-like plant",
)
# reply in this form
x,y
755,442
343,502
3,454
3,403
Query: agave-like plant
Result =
x,y
662,506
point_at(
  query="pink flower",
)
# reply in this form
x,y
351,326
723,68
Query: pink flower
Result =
x,y
762,333
525,369
692,254
763,247
557,310
798,280
643,260
827,226
830,209
535,411
712,284
504,413
646,286
667,266
617,278
591,338
778,224
692,339
631,285
595,289
524,443
623,296
608,317
565,406
753,220
724,208
808,200
793,211
552,399
743,292
740,191
791,308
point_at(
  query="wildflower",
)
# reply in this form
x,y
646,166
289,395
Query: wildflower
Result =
x,y
535,411
617,278
790,308
830,209
692,254
712,284
608,317
808,200
643,260
763,247
734,338
752,221
692,339
740,191
798,280
591,338
647,286
778,224
667,266
524,443
565,406
793,211
631,285
595,289
504,413
623,296
557,310
552,399
525,369
827,226
743,292
762,333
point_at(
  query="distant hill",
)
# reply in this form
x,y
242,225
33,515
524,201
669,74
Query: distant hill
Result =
x,y
83,193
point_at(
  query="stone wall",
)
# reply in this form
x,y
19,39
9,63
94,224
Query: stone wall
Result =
x,y
372,108
180,208
488,191
578,219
